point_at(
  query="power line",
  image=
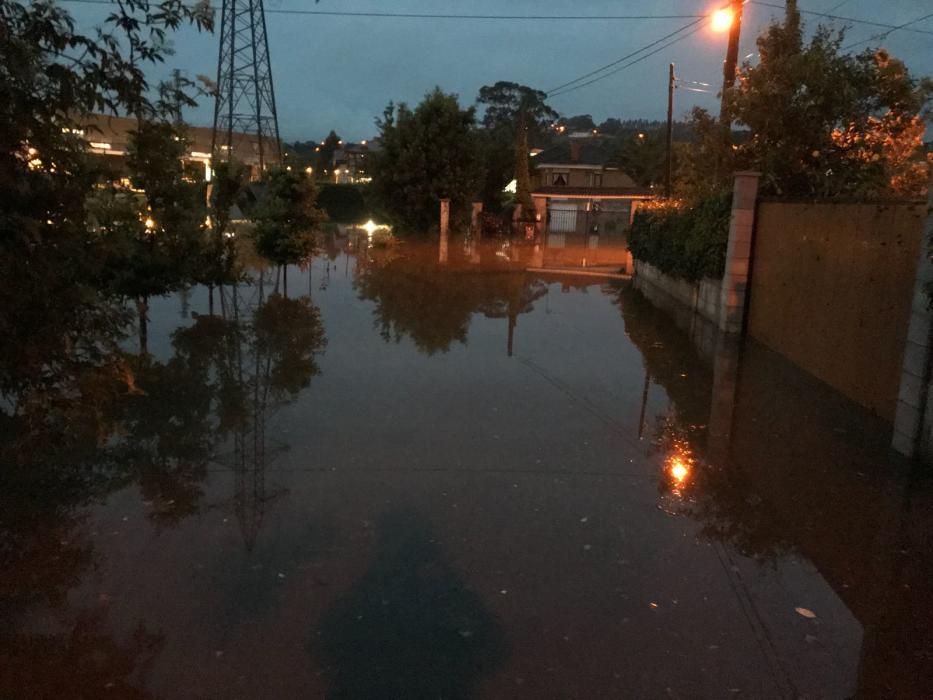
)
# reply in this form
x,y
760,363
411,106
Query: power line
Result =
x,y
629,64
433,15
883,35
624,58
846,19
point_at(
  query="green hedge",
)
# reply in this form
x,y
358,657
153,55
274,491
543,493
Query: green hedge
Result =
x,y
685,242
344,204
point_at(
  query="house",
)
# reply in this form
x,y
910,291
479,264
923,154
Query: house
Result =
x,y
578,187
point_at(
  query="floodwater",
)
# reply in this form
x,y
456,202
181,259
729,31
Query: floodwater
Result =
x,y
409,480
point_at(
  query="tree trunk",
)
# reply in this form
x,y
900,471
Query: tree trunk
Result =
x,y
210,299
285,280
142,309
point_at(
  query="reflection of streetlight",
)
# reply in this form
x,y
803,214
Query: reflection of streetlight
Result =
x,y
679,470
337,175
722,20
370,227
149,223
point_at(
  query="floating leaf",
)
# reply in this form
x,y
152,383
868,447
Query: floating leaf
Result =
x,y
806,612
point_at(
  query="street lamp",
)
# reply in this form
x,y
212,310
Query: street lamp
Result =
x,y
722,19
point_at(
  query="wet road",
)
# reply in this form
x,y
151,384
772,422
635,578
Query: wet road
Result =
x,y
464,482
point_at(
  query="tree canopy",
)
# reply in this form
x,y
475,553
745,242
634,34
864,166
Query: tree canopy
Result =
x,y
428,153
827,123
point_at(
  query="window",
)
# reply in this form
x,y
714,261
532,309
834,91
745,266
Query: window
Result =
x,y
559,179
594,179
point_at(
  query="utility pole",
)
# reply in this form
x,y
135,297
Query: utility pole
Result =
x,y
669,174
732,59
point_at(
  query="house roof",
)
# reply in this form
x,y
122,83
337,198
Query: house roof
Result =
x,y
591,152
593,192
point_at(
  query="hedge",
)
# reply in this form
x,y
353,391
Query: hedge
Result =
x,y
688,242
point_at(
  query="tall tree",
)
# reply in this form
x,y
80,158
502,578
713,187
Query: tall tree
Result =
x,y
506,104
428,154
522,173
506,107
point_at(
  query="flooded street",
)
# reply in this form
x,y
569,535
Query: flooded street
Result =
x,y
408,480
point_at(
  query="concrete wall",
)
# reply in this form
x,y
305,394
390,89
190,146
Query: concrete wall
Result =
x,y
702,298
831,290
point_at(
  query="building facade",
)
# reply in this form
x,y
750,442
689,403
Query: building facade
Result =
x,y
579,188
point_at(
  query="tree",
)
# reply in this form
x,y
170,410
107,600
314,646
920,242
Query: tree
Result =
x,y
55,324
429,153
825,123
506,104
522,173
513,115
286,217
156,243
230,184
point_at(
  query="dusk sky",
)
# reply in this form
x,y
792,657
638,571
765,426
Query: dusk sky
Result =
x,y
339,72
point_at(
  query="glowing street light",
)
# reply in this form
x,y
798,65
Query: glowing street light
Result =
x,y
309,170
337,175
149,223
722,19
370,227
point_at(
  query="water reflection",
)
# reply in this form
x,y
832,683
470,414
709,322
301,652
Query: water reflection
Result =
x,y
432,304
777,478
134,419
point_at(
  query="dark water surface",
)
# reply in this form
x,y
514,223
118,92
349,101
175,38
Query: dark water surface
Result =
x,y
465,482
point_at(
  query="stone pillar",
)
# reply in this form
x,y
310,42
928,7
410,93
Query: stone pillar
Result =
x,y
738,253
540,216
445,232
913,421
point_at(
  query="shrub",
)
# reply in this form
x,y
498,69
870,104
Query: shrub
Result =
x,y
681,241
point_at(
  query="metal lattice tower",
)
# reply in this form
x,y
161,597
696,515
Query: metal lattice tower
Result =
x,y
244,109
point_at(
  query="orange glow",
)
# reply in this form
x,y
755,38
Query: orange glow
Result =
x,y
722,20
679,470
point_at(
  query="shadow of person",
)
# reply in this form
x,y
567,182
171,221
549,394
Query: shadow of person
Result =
x,y
411,628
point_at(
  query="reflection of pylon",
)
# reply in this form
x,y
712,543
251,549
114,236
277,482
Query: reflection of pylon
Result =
x,y
245,101
249,439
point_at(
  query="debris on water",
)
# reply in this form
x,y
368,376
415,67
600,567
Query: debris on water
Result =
x,y
281,575
218,654
587,547
809,639
652,605
504,591
583,520
806,612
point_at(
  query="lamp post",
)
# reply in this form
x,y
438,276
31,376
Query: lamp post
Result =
x,y
734,16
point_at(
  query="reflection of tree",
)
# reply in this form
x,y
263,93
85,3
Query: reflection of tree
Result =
x,y
411,627
433,304
85,662
133,419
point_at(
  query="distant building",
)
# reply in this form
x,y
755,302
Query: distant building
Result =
x,y
109,137
350,164
581,189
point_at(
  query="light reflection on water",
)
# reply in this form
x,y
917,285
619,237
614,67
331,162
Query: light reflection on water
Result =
x,y
490,483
